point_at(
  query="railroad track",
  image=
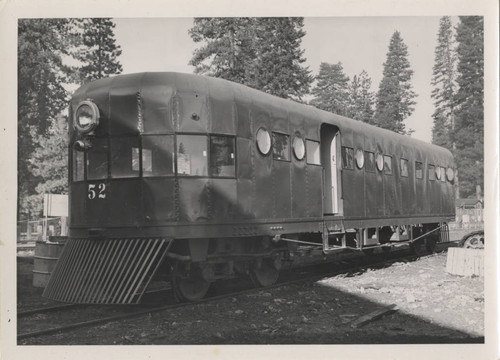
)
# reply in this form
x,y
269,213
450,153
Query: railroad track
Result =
x,y
301,275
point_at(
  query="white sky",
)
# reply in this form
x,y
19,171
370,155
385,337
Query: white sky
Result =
x,y
360,43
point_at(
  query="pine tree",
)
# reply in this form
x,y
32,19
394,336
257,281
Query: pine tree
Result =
x,y
98,52
263,53
444,85
42,43
361,98
49,163
469,102
395,96
331,91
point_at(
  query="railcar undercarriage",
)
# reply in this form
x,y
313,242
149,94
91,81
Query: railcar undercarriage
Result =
x,y
118,271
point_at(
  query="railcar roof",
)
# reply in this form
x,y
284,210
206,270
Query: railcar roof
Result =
x,y
211,87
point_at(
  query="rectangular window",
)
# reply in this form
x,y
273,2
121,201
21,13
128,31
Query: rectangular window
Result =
x,y
432,172
347,157
222,156
97,160
443,174
369,161
192,155
78,160
404,167
312,152
388,164
281,146
124,157
419,170
157,155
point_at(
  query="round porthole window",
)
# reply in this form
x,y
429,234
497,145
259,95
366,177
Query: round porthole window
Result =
x,y
360,158
380,162
263,141
450,174
299,148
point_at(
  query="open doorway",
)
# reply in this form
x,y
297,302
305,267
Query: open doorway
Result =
x,y
330,150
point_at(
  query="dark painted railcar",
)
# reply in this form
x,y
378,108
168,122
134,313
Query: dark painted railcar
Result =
x,y
199,178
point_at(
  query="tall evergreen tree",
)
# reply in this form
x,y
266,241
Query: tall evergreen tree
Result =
x,y
263,53
361,98
331,92
469,104
42,43
99,51
49,162
444,85
395,96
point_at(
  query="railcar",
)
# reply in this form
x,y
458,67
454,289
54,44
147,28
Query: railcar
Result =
x,y
198,179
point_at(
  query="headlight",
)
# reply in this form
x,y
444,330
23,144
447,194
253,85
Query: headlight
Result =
x,y
86,117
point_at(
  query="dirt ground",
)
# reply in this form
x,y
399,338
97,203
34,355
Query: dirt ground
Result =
x,y
431,306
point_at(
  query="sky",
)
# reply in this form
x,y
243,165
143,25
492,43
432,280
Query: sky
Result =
x,y
359,43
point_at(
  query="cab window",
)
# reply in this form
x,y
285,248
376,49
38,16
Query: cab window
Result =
x,y
222,156
78,159
192,155
158,155
97,160
125,157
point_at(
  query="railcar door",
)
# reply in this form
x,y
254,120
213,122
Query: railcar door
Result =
x,y
330,144
333,170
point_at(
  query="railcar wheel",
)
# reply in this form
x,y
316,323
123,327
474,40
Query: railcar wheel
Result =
x,y
473,241
430,245
266,274
189,285
417,247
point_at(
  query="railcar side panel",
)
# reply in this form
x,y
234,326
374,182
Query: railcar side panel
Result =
x,y
282,207
314,191
159,199
297,189
246,158
222,109
391,202
223,200
77,206
193,195
126,193
124,106
156,105
372,185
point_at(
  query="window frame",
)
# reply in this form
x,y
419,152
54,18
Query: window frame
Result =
x,y
209,156
422,169
309,154
207,143
141,155
273,147
343,165
431,169
370,169
389,171
401,160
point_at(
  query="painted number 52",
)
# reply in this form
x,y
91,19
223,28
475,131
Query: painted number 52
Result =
x,y
97,191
